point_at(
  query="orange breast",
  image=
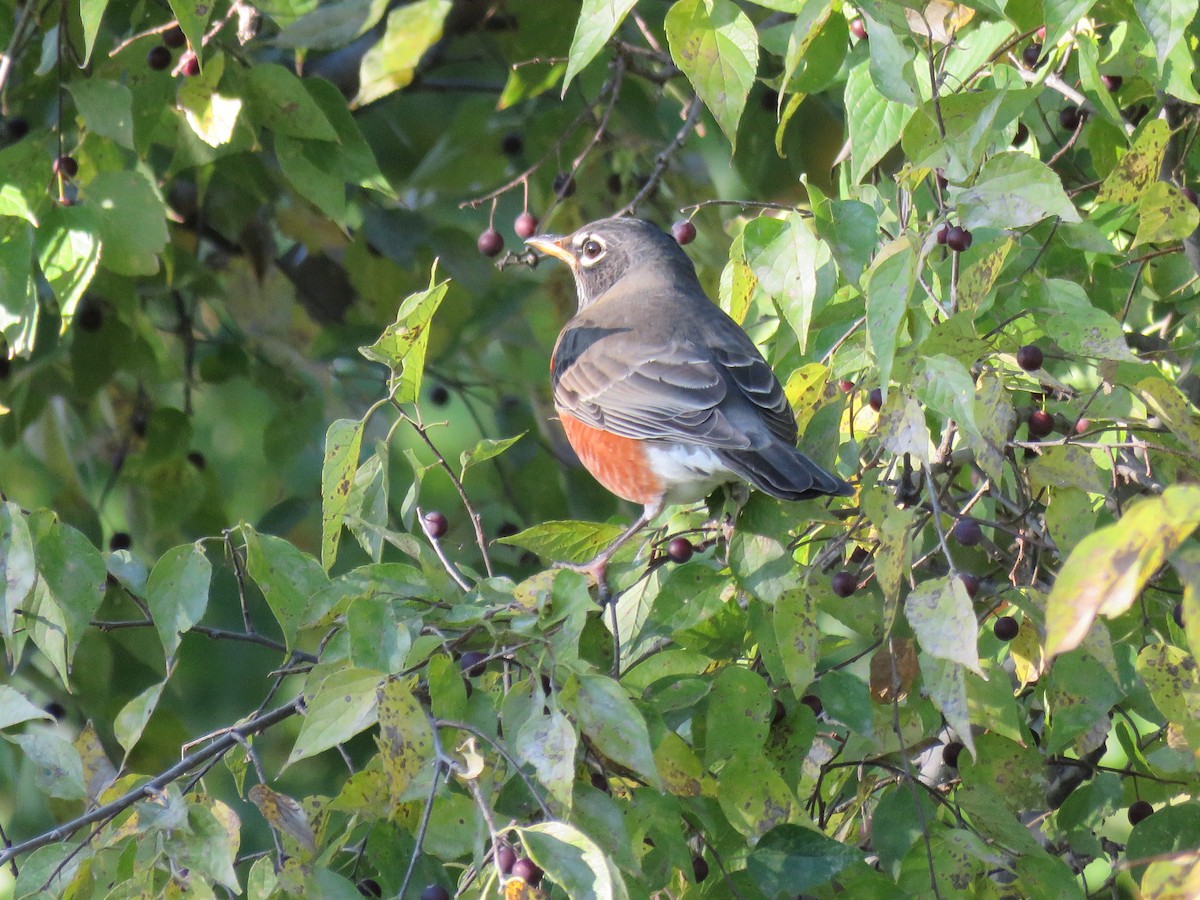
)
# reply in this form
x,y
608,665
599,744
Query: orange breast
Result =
x,y
618,463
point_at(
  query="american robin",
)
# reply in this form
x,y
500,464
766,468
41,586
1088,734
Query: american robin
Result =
x,y
661,394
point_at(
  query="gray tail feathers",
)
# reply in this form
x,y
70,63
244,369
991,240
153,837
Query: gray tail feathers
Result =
x,y
784,472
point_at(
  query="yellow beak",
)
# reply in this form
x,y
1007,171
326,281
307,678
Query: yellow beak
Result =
x,y
552,245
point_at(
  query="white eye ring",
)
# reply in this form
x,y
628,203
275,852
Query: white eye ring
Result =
x,y
591,251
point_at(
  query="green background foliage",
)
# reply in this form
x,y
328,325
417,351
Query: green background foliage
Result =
x,y
251,345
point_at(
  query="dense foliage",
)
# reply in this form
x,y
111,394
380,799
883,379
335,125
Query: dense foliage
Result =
x,y
279,611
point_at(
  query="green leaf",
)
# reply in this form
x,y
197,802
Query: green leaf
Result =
x,y
573,542
1089,78
1166,21
106,108
875,122
1108,569
392,63
799,638
68,249
278,100
1138,169
1079,327
402,345
91,14
211,115
793,266
287,577
343,444
1171,675
132,221
312,169
331,26
15,709
355,158
902,424
366,510
715,45
945,386
193,16
746,692
753,795
1170,404
1013,190
598,21
850,228
1165,215
1062,16
1067,466
74,576
946,683
379,640
891,63
131,721
943,619
18,570
610,720
177,594
548,743
58,771
485,449
343,706
790,859
889,284
573,861
18,294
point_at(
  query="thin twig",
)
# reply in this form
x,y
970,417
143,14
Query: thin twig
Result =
x,y
663,160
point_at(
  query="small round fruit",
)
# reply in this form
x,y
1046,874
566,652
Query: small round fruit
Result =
x,y
438,395
564,184
950,753
1031,54
174,38
527,870
699,868
1177,614
875,399
512,144
506,856
1070,117
967,532
959,239
813,702
943,233
1030,357
490,243
508,529
196,458
1112,83
1005,628
1021,136
970,582
1082,426
120,541
599,782
680,549
1041,423
369,887
525,225
1138,811
844,583
16,128
613,183
158,58
89,316
473,663
189,65
66,166
684,232
858,28
1135,114
1190,195
435,523
779,712
1041,35
435,892
845,386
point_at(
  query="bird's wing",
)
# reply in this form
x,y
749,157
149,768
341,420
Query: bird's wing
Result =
x,y
609,379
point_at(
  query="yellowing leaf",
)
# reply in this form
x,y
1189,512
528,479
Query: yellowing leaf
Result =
x,y
1165,215
1138,168
943,620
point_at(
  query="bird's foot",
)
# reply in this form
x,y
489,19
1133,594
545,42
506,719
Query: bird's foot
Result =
x,y
596,570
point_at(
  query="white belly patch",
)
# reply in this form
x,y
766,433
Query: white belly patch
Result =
x,y
689,472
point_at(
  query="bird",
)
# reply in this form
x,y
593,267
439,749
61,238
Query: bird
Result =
x,y
662,396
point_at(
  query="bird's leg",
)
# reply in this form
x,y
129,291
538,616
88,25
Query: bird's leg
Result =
x,y
597,567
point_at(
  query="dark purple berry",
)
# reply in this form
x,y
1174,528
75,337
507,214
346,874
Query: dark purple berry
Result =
x,y
699,868
1070,117
971,583
438,395
813,702
196,458
66,166
1139,810
967,532
684,232
189,65
369,887
1005,628
158,58
680,549
1177,614
1190,194
120,541
506,856
90,315
950,753
844,583
940,175
512,144
16,128
528,871
942,234
1030,357
435,523
473,663
779,712
435,892
1112,83
174,37
490,243
525,225
564,185
1041,423
959,239
1031,54
1021,136
875,399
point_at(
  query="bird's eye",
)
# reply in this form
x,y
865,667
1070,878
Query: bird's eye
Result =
x,y
592,249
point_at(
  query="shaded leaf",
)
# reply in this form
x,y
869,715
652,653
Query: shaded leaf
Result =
x,y
343,444
611,721
177,594
790,859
